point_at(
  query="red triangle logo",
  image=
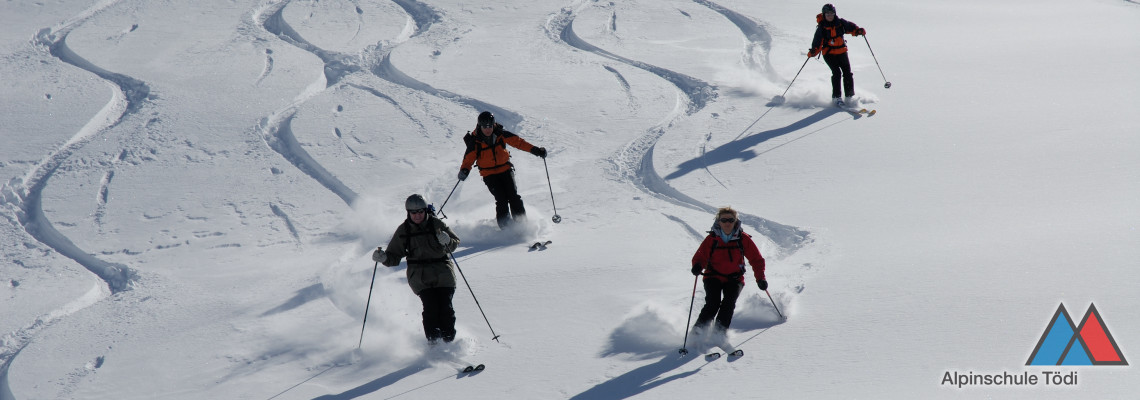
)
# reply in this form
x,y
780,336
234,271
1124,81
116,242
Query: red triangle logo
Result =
x,y
1101,346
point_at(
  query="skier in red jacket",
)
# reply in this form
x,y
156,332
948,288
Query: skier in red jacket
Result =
x,y
720,258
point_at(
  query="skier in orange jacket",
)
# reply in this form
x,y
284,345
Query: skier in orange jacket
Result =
x,y
487,149
829,41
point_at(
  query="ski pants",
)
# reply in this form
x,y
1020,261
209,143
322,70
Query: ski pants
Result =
x,y
840,70
508,203
439,316
720,302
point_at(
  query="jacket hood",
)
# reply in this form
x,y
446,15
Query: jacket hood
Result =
x,y
820,20
478,135
736,231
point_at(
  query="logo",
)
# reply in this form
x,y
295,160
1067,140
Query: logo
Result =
x,y
1064,343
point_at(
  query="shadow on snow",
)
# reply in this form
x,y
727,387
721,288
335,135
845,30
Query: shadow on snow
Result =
x,y
741,149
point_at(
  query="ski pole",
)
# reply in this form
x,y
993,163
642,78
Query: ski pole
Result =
x,y
440,211
888,83
782,317
556,218
494,336
693,300
794,79
368,303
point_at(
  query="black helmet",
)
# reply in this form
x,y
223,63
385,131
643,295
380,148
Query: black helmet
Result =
x,y
828,8
486,118
415,202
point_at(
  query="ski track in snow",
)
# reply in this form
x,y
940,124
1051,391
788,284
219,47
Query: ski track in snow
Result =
x,y
635,162
758,40
21,198
275,129
624,87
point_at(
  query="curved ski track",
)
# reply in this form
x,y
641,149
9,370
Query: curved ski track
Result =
x,y
635,161
21,198
376,60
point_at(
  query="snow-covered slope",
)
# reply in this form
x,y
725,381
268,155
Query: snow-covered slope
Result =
x,y
191,191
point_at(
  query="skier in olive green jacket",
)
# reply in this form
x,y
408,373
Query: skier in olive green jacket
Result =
x,y
427,243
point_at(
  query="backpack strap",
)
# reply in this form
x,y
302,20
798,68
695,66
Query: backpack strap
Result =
x,y
739,244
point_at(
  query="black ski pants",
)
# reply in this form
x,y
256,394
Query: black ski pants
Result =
x,y
439,316
720,302
840,70
508,203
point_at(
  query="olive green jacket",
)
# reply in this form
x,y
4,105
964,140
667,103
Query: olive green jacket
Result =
x,y
429,263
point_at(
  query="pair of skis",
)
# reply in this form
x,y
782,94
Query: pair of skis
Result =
x,y
473,368
716,354
463,366
861,111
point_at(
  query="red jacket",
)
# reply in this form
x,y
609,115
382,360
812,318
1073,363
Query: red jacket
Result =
x,y
725,260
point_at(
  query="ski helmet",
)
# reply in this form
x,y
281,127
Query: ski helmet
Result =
x,y
486,118
415,202
828,8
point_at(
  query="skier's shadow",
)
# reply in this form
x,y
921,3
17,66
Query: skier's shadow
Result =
x,y
640,380
741,149
377,384
650,376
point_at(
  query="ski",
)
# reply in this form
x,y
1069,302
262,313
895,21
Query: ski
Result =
x,y
716,354
859,111
539,245
473,368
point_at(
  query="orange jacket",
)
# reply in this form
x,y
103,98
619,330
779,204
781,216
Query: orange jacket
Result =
x,y
490,153
829,35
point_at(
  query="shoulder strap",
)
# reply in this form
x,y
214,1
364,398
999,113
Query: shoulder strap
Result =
x,y
713,247
404,227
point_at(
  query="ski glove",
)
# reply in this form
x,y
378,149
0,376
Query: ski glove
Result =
x,y
860,32
538,151
812,53
763,284
463,174
697,269
443,238
378,255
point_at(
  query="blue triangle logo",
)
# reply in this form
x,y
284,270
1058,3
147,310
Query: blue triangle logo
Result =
x,y
1056,341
